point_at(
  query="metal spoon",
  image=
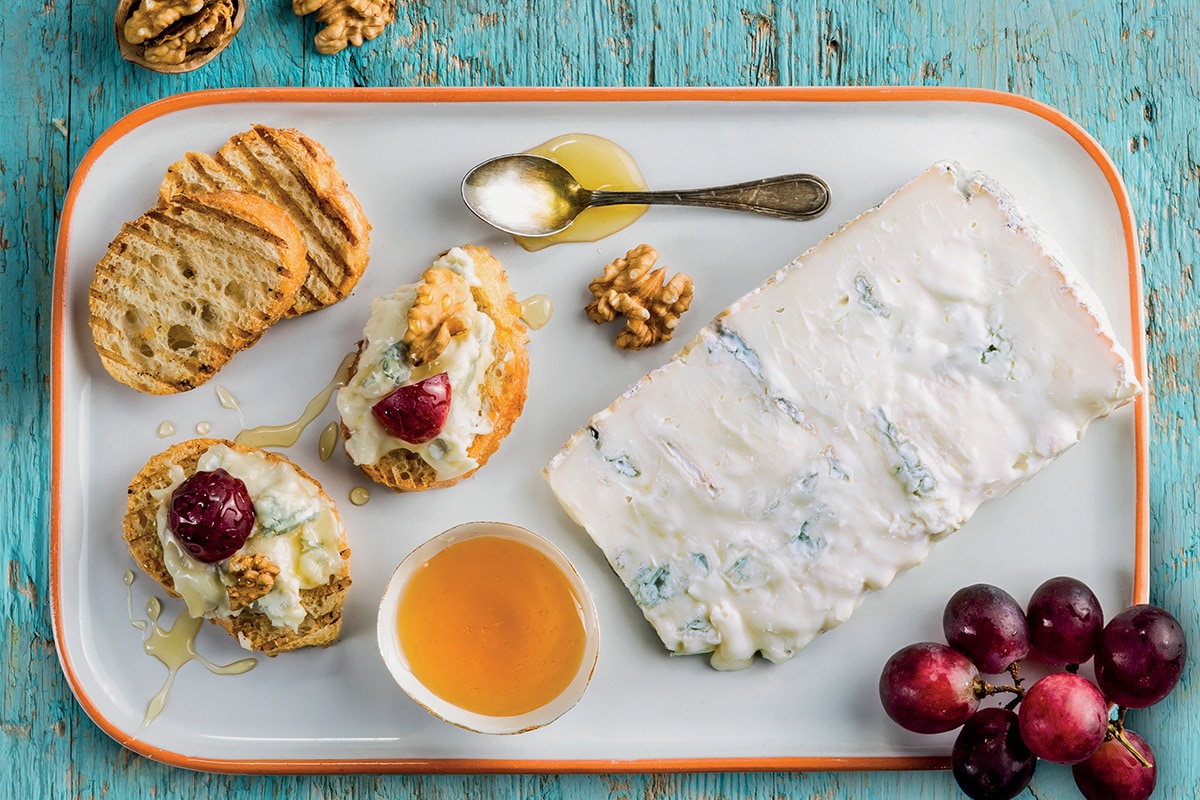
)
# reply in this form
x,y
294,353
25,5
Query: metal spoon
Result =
x,y
533,196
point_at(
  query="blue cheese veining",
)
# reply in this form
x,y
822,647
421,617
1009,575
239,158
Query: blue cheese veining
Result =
x,y
296,527
384,366
862,403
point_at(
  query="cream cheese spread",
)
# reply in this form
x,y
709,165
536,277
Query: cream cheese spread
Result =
x,y
384,366
295,526
862,403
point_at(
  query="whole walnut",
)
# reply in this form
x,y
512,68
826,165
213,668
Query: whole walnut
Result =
x,y
651,304
346,22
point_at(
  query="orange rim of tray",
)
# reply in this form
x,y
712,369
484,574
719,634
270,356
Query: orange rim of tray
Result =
x,y
189,100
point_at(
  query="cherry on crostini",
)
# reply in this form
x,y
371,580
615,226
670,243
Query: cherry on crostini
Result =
x,y
416,413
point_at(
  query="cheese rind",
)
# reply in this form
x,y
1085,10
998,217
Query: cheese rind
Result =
x,y
826,429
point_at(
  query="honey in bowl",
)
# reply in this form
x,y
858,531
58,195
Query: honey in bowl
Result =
x,y
492,625
489,627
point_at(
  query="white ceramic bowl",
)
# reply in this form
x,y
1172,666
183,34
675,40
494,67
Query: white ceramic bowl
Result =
x,y
393,654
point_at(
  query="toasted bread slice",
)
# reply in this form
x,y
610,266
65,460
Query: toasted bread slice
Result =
x,y
253,629
295,172
504,386
188,284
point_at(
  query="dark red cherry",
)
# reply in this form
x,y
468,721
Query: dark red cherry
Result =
x,y
417,412
211,515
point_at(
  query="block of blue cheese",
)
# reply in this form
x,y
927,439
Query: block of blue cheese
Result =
x,y
820,435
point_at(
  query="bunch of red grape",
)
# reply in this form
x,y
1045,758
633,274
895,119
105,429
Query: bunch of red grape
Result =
x,y
1063,717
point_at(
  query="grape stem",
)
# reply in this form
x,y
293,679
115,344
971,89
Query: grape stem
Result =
x,y
984,689
1014,669
1116,730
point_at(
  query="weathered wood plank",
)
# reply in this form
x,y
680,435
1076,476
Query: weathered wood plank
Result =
x,y
36,717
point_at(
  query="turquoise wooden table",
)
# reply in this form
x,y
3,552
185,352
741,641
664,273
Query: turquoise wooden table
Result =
x,y
1126,73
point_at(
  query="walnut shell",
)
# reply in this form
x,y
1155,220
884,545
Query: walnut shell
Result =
x,y
136,53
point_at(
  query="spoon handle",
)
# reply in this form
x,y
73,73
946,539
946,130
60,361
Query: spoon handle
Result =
x,y
798,196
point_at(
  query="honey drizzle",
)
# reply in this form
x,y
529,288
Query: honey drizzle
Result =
x,y
360,495
227,400
288,434
166,428
328,441
173,647
140,624
536,311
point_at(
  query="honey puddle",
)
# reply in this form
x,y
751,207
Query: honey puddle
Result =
x,y
360,495
328,441
536,311
167,428
596,163
287,435
173,646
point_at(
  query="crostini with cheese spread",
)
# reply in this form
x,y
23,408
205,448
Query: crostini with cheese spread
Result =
x,y
441,375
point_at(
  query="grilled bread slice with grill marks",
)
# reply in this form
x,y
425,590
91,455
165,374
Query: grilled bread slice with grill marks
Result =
x,y
188,284
296,173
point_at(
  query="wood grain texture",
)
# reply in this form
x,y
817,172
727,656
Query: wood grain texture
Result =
x,y
1127,72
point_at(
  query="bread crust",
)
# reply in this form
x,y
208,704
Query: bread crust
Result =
x,y
295,172
505,384
162,313
253,629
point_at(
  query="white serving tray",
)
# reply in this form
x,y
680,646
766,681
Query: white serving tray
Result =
x,y
403,152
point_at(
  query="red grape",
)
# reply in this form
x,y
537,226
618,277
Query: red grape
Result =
x,y
417,412
989,759
1112,773
1140,657
211,515
1065,620
929,688
1063,718
988,625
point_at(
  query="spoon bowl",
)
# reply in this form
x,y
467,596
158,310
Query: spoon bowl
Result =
x,y
534,196
525,195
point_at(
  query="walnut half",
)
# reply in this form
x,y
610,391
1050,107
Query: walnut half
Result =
x,y
346,22
440,312
176,35
255,575
651,305
151,17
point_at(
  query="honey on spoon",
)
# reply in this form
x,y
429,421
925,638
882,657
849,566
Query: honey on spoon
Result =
x,y
533,196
